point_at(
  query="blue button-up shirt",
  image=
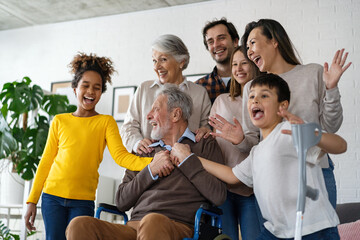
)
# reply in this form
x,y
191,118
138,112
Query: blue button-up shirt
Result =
x,y
187,134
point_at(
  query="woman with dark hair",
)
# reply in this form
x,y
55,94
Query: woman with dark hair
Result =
x,y
272,30
314,88
240,207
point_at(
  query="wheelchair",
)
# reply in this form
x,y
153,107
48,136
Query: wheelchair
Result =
x,y
207,226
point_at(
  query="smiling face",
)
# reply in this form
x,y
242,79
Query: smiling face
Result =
x,y
167,68
88,93
263,107
261,50
159,118
240,68
220,44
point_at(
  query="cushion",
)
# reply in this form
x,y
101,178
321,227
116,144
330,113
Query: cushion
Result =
x,y
349,231
348,212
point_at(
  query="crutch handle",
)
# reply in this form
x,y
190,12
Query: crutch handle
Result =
x,y
312,193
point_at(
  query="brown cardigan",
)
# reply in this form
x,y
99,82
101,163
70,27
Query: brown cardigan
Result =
x,y
179,194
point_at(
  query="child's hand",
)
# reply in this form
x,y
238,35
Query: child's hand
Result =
x,y
161,165
179,152
228,131
30,216
143,146
293,119
332,76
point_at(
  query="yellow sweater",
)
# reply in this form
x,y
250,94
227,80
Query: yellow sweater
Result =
x,y
73,153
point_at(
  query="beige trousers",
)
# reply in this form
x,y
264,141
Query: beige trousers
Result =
x,y
152,226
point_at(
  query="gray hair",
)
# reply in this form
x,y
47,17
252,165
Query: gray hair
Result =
x,y
173,45
177,99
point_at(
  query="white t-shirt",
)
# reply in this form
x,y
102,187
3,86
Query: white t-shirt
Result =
x,y
309,100
272,170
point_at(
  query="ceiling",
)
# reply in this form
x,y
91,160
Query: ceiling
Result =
x,y
24,13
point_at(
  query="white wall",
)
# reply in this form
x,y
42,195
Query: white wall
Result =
x,y
317,27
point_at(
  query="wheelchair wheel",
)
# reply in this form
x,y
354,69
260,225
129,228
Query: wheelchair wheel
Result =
x,y
222,237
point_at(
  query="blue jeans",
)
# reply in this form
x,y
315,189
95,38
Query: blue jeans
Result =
x,y
325,234
57,212
241,210
330,182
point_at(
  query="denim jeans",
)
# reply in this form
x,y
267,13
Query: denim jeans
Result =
x,y
325,234
241,210
330,182
57,213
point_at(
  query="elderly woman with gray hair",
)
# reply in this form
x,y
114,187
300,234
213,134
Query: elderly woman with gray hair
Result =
x,y
170,57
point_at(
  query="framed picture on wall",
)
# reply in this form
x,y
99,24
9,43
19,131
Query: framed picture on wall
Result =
x,y
121,100
64,88
194,77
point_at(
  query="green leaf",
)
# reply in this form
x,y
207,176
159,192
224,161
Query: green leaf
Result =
x,y
27,165
55,104
8,143
71,108
4,90
16,96
26,80
18,134
36,97
5,233
4,110
34,141
15,236
43,126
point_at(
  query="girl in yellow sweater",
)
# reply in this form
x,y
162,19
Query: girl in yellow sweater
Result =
x,y
68,171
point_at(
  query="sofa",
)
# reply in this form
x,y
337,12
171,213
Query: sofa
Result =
x,y
349,216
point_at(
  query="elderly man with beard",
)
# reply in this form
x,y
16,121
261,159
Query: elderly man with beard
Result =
x,y
164,197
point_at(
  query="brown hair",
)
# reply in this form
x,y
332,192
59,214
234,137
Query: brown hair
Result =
x,y
230,27
273,81
235,87
82,63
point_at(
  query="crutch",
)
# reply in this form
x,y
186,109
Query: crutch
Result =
x,y
304,136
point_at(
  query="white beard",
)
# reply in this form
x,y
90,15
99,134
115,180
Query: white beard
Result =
x,y
159,133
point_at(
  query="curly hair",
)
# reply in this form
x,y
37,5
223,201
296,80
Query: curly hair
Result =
x,y
83,62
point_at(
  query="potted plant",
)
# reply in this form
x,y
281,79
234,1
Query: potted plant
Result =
x,y
5,233
24,123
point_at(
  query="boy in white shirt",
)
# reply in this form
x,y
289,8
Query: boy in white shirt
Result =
x,y
272,166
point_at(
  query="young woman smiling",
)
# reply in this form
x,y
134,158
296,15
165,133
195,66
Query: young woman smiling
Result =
x,y
240,207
